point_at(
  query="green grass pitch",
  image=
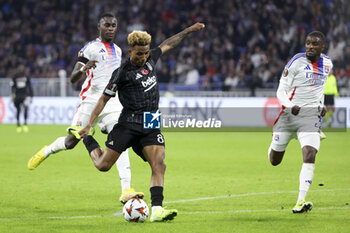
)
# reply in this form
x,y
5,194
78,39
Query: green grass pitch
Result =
x,y
219,182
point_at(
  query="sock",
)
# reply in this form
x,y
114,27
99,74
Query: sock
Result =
x,y
55,147
155,208
157,195
328,115
123,166
305,179
90,143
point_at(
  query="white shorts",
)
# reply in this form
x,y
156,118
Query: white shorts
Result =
x,y
305,128
105,121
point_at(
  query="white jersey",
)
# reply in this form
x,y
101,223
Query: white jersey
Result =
x,y
302,82
109,58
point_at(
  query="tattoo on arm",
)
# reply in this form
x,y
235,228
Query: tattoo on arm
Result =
x,y
173,41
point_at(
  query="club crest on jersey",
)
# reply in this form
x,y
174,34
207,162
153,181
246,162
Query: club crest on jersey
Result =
x,y
277,137
285,73
144,71
326,69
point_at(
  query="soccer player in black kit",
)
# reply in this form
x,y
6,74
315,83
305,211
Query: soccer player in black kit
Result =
x,y
21,90
138,92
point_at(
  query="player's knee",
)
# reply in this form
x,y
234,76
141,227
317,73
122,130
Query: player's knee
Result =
x,y
103,167
309,154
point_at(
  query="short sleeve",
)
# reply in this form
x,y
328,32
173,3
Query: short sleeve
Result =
x,y
113,83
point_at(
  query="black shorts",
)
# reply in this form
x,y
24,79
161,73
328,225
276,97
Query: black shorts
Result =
x,y
19,100
126,134
328,100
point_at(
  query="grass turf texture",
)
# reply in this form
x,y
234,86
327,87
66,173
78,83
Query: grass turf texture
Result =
x,y
245,193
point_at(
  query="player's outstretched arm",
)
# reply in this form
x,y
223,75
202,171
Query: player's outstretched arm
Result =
x,y
80,70
97,110
173,41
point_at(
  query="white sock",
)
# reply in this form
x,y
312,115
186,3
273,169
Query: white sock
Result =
x,y
305,179
55,147
123,166
155,208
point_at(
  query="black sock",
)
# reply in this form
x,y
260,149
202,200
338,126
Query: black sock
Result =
x,y
157,195
90,143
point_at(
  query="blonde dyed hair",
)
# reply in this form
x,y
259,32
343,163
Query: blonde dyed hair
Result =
x,y
141,38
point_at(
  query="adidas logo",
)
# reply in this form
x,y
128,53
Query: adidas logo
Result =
x,y
138,76
307,67
111,143
102,51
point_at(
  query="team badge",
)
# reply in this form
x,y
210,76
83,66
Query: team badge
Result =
x,y
326,69
285,73
144,71
277,137
151,120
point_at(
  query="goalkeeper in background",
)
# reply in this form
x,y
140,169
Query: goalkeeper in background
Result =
x,y
330,91
22,94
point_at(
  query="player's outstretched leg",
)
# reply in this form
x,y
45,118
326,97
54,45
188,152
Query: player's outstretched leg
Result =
x,y
123,166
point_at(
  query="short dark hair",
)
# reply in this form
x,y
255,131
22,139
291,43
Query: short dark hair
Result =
x,y
319,35
106,14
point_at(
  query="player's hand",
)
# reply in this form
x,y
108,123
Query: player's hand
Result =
x,y
90,64
84,132
295,110
323,112
196,27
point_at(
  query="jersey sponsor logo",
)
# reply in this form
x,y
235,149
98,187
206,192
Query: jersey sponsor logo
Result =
x,y
151,120
149,83
2,109
315,79
308,181
144,71
285,73
307,67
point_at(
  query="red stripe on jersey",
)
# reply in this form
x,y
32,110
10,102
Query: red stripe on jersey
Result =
x,y
291,97
87,87
315,67
108,47
284,107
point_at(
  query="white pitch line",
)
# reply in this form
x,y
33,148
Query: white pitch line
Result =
x,y
250,194
199,212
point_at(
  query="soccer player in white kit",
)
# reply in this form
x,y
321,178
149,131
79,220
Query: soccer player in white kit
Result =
x,y
96,60
301,94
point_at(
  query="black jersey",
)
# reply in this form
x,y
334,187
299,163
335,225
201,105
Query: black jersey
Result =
x,y
21,86
137,88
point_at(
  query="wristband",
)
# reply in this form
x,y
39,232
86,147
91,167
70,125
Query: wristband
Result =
x,y
83,69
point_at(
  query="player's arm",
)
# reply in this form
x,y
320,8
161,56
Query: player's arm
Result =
x,y
101,103
173,41
282,91
81,67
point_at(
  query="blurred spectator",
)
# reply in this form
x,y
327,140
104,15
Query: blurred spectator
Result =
x,y
259,36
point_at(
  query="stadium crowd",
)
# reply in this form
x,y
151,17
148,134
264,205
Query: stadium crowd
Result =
x,y
246,43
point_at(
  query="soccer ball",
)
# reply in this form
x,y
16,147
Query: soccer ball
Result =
x,y
135,210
